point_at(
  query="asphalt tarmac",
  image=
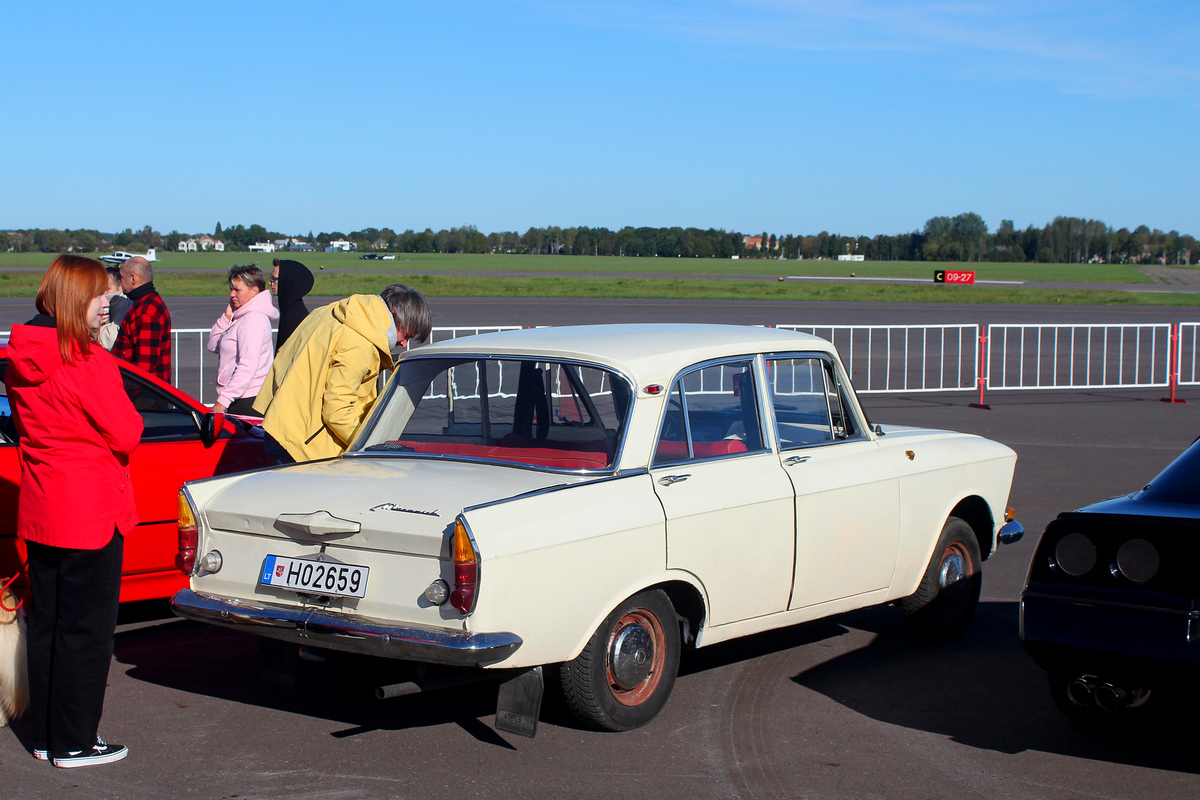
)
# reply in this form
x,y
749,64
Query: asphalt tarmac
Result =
x,y
847,707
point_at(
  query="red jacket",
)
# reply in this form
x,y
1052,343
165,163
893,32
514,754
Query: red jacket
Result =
x,y
77,429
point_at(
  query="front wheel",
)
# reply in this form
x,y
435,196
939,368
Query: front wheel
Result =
x,y
625,674
945,601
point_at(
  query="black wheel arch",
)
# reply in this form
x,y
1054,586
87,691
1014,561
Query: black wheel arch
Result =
x,y
689,606
975,511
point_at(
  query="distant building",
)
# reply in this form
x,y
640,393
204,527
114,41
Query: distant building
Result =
x,y
845,257
203,243
341,244
752,242
262,247
303,247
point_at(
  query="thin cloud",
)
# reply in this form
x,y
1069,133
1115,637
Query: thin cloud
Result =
x,y
1108,49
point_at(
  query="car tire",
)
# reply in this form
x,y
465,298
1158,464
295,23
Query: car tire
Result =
x,y
945,600
625,674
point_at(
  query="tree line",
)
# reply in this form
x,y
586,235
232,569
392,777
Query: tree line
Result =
x,y
965,237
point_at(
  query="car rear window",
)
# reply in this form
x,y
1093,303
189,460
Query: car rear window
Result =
x,y
549,414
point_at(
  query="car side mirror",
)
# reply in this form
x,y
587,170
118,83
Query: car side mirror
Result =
x,y
211,427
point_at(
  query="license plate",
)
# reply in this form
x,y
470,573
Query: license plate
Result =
x,y
315,577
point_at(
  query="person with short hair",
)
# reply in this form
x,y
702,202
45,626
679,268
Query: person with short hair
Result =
x,y
241,338
145,336
75,506
323,382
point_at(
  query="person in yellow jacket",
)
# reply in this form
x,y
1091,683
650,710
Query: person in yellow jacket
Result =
x,y
323,381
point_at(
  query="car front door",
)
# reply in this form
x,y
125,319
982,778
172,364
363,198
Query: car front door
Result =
x,y
847,490
728,503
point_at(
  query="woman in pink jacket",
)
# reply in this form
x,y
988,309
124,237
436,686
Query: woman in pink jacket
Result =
x,y
77,428
241,338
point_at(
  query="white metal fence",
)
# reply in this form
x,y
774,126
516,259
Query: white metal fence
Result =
x,y
904,358
917,358
1050,356
1188,353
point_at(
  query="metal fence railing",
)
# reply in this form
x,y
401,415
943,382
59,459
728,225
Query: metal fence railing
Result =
x,y
1188,354
917,358
1044,356
904,358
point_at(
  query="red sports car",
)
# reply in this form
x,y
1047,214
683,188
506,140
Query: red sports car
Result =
x,y
182,440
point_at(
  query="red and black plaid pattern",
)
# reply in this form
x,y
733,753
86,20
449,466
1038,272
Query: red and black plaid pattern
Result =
x,y
145,336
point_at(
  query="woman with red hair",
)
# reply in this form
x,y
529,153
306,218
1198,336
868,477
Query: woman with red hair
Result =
x,y
77,428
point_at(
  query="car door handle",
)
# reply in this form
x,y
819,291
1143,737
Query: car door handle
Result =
x,y
667,480
794,460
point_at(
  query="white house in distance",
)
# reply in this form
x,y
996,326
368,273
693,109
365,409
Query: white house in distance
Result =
x,y
341,245
203,243
262,247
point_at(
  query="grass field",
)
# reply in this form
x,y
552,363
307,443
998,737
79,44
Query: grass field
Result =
x,y
440,276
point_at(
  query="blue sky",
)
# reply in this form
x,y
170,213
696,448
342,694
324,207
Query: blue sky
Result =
x,y
857,117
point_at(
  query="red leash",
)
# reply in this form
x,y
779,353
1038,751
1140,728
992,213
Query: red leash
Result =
x,y
9,582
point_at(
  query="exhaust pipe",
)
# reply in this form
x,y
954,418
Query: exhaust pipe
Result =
x,y
1080,691
1111,698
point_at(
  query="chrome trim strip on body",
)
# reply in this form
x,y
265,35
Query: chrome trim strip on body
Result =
x,y
349,632
1109,604
558,487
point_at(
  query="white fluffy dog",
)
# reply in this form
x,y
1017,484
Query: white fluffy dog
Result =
x,y
14,675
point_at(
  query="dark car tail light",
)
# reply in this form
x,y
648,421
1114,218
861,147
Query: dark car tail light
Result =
x,y
466,568
189,537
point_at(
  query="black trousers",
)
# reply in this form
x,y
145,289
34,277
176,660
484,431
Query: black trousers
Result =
x,y
71,626
243,406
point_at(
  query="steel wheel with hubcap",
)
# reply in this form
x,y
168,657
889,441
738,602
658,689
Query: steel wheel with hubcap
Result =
x,y
945,600
625,674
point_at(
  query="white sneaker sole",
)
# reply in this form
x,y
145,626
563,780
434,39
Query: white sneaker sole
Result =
x,y
72,762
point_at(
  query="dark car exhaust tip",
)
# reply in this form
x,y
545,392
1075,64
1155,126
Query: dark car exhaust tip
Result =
x,y
1080,692
1088,690
1110,698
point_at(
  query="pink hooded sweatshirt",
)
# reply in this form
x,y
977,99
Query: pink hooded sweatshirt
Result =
x,y
244,348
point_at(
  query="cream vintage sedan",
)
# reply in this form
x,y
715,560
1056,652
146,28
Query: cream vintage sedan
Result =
x,y
593,499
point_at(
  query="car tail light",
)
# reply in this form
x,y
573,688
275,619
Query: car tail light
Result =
x,y
466,568
189,537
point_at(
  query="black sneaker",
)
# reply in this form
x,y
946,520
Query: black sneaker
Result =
x,y
101,753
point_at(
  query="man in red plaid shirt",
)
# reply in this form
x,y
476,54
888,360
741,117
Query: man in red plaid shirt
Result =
x,y
145,337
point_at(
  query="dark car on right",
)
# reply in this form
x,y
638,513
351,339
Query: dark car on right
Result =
x,y
1111,607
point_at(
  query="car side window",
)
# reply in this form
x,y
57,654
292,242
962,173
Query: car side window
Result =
x,y
809,404
8,427
163,418
711,411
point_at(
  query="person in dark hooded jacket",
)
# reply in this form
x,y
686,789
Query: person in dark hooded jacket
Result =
x,y
291,281
77,428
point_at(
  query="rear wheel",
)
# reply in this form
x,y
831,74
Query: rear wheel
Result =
x,y
945,601
625,674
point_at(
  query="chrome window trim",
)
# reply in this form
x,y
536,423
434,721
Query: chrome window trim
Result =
x,y
691,459
369,425
842,382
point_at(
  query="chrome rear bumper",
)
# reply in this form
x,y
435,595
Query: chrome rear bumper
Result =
x,y
337,631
